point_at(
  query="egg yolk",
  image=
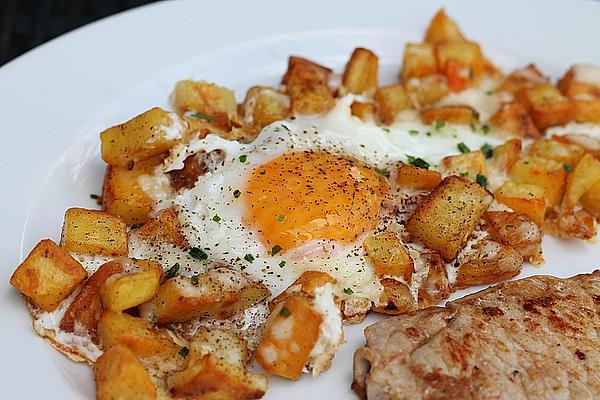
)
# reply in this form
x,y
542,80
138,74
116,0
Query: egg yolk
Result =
x,y
303,196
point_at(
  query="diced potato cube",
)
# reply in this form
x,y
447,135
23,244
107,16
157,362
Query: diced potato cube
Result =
x,y
591,200
391,100
548,174
569,224
302,66
515,230
419,61
132,288
289,337
135,333
120,375
523,198
360,75
48,275
220,293
513,118
94,232
195,166
305,284
587,110
307,85
84,312
574,85
506,154
524,78
206,98
388,256
442,29
435,286
462,115
364,111
546,106
427,90
164,228
590,144
226,344
147,135
585,176
396,298
264,105
411,177
466,54
557,151
491,262
467,165
445,219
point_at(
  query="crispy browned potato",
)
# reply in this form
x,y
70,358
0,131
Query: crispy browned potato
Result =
x,y
396,298
264,105
307,85
388,256
463,115
587,110
419,61
360,75
48,275
305,284
585,176
515,230
491,262
590,144
195,166
409,176
228,346
84,312
354,309
513,118
164,228
220,293
435,286
443,29
569,224
591,200
467,55
136,334
524,78
147,135
94,232
523,198
120,375
548,174
571,85
216,104
546,105
467,165
132,288
364,111
445,219
558,151
506,154
390,101
427,90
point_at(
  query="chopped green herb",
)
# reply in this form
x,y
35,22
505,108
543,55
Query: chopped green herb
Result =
x,y
249,257
236,193
417,162
490,92
428,133
439,125
153,320
387,130
568,167
198,253
184,351
348,291
285,312
413,132
463,148
205,117
487,150
285,127
172,271
243,158
194,280
136,226
485,129
94,196
472,127
216,218
276,249
464,174
281,264
481,180
382,171
280,217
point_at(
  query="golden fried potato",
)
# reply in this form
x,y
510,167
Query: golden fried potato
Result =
x,y
466,54
467,165
548,174
515,230
264,105
513,118
305,284
396,298
523,198
48,275
572,85
228,346
569,224
591,200
364,111
445,219
506,154
147,135
491,262
546,105
587,110
388,256
84,312
435,286
307,85
216,104
558,151
462,115
524,78
164,228
585,176
120,375
390,101
419,61
94,232
132,288
427,90
411,177
442,29
360,74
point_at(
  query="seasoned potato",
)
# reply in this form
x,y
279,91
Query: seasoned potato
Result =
x,y
132,288
585,176
524,78
164,228
305,284
48,275
490,262
205,98
94,232
590,144
548,174
195,166
390,101
523,198
224,343
435,286
85,310
569,224
354,309
587,110
289,337
388,256
546,105
136,334
571,85
411,177
466,54
307,85
506,154
120,375
467,165
591,200
364,111
443,29
396,298
419,61
446,218
513,118
427,90
462,115
264,105
515,230
360,74
220,292
557,151
147,135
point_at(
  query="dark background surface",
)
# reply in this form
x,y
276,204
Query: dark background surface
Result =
x,y
25,24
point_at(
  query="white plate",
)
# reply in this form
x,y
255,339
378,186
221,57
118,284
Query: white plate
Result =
x,y
56,99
